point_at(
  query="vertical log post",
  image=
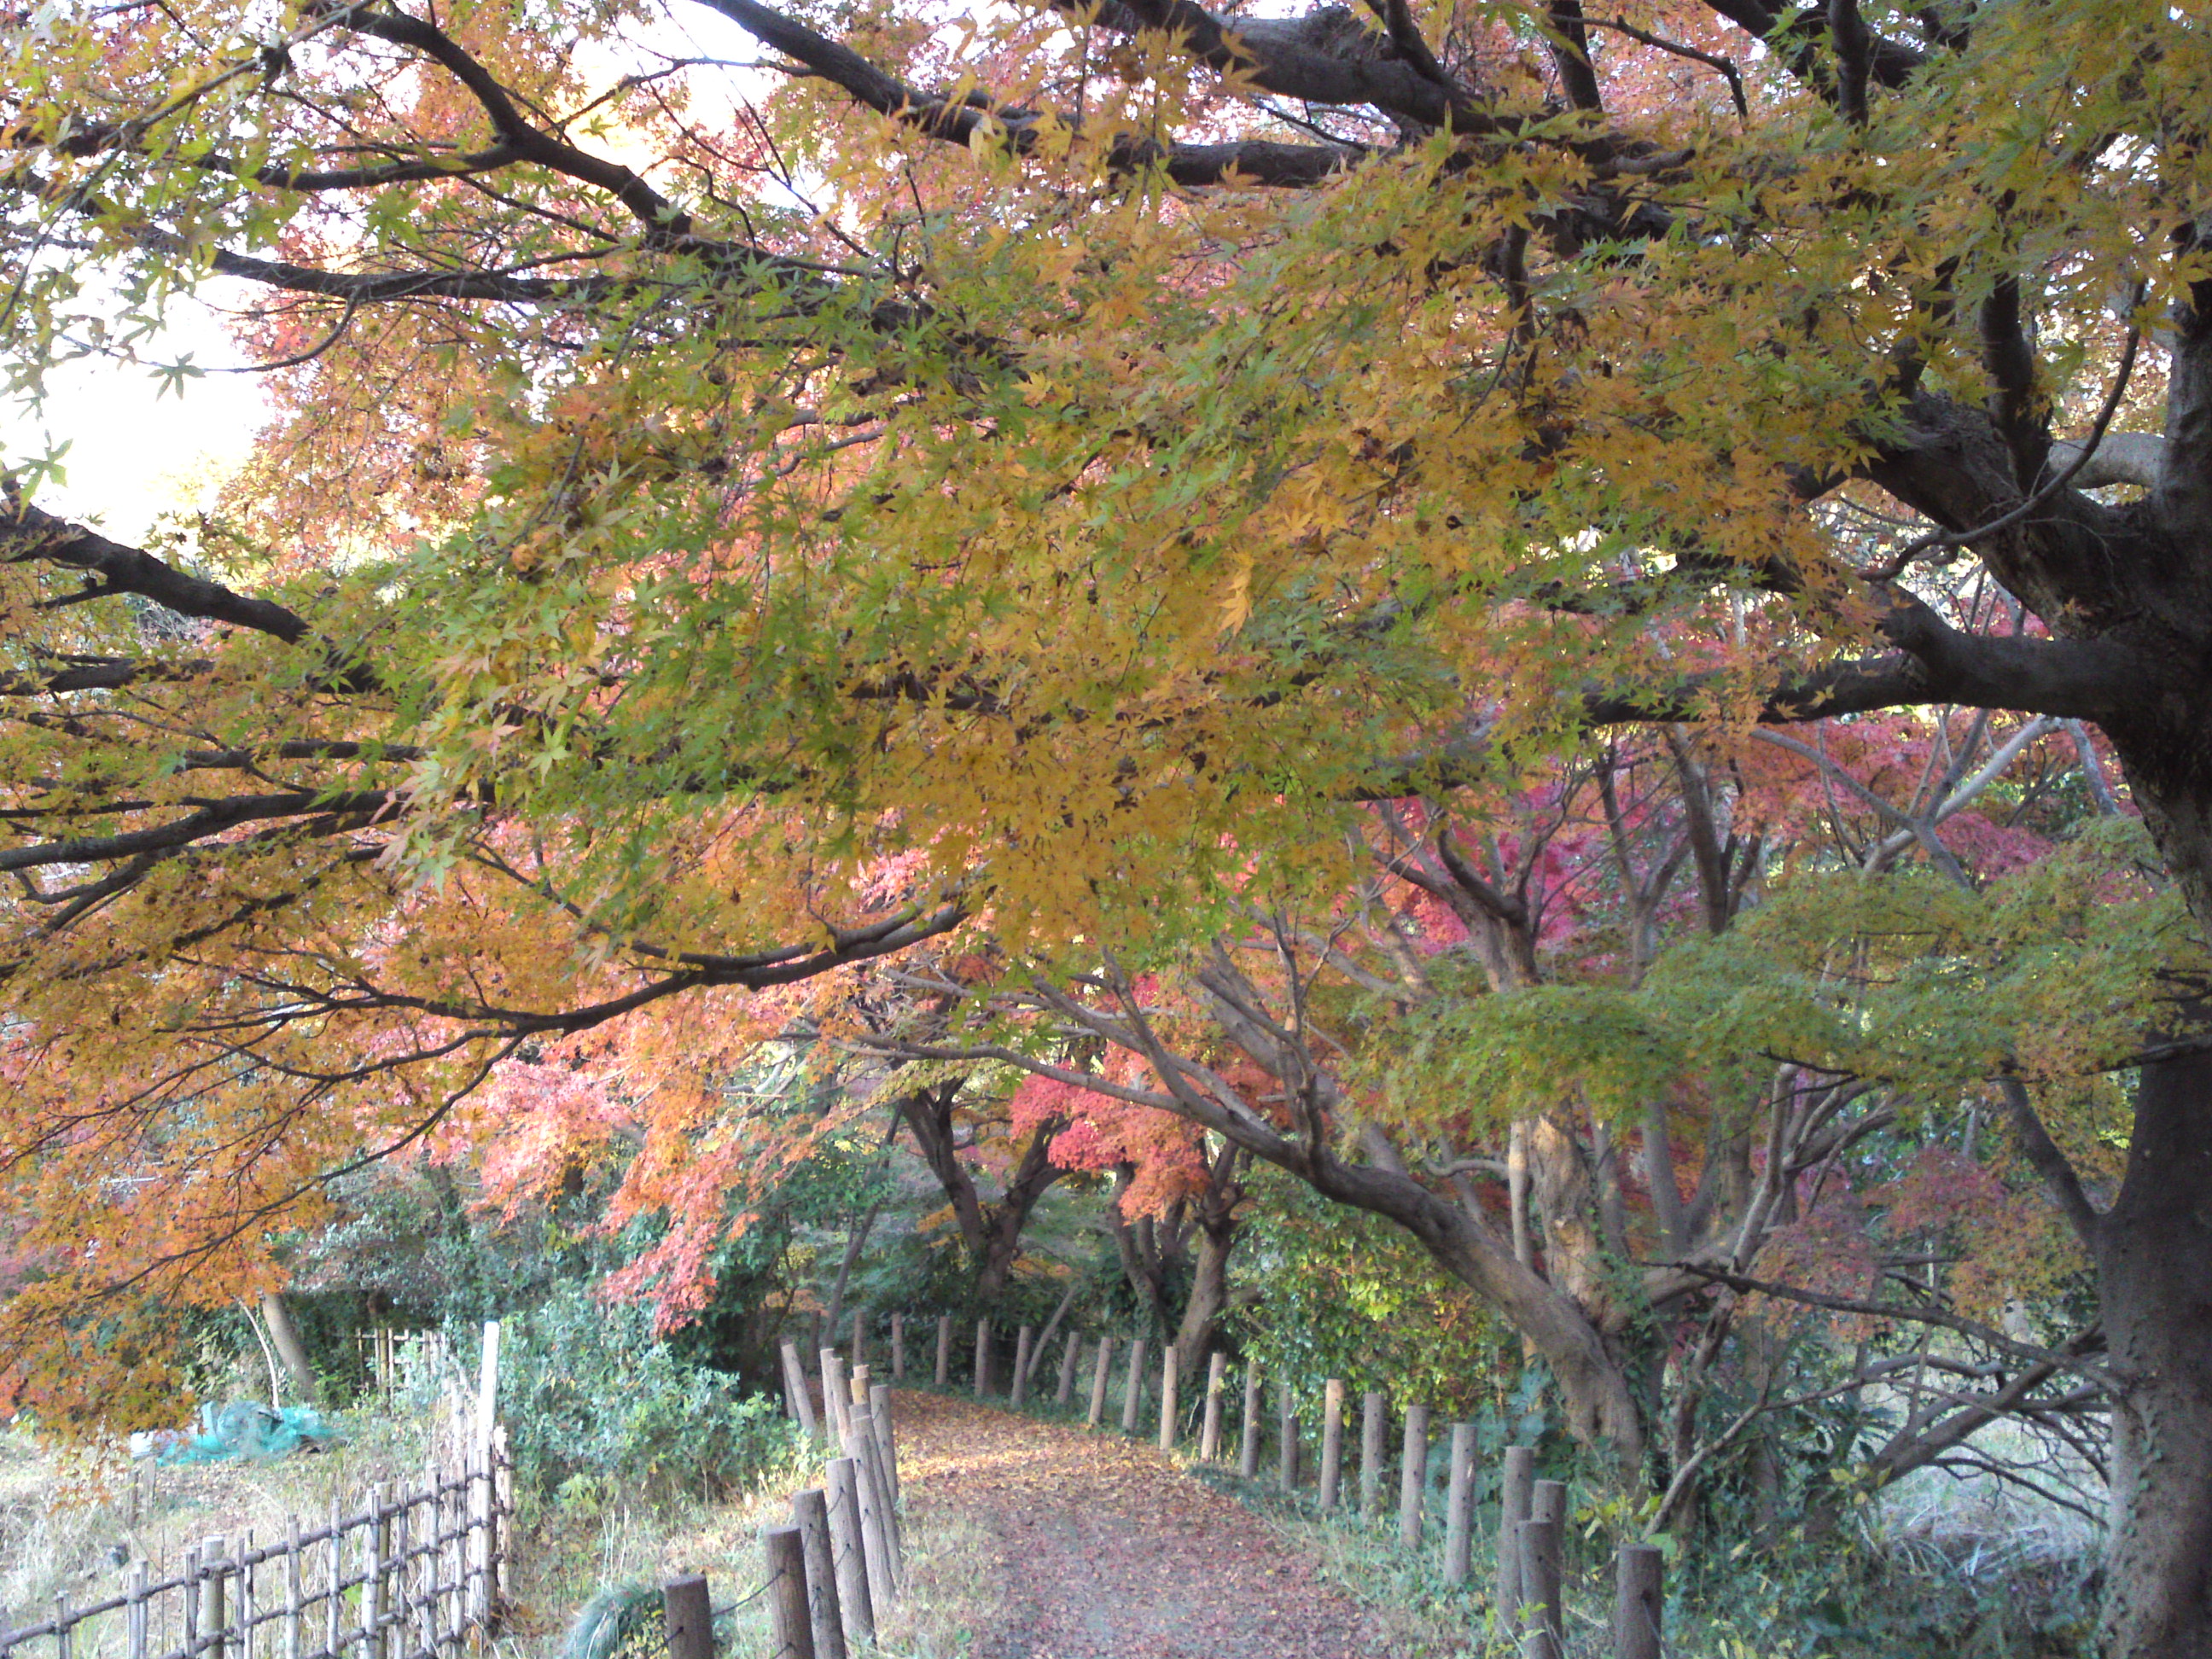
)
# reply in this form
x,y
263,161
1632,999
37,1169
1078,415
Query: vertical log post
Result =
x,y
945,1350
899,1355
1132,1390
809,1513
1248,1456
1021,1339
861,1378
983,1357
689,1613
879,1413
1639,1601
875,1532
295,1604
1332,1442
1459,1507
1167,1397
1374,1447
786,1596
134,1612
836,1403
848,1548
376,1597
1547,1501
1209,1435
1515,1487
1065,1393
1099,1371
859,1338
1412,1476
1539,1587
333,1569
1286,1438
214,1612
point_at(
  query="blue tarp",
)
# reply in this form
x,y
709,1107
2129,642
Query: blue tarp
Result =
x,y
243,1431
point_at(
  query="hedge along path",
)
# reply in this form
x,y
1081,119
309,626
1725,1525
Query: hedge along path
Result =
x,y
1101,1549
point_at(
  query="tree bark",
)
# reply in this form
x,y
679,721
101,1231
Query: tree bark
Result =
x,y
284,1336
2154,1252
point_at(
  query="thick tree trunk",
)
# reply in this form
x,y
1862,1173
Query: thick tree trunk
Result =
x,y
284,1337
2155,1272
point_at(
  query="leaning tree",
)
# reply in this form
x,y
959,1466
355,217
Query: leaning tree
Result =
x,y
934,472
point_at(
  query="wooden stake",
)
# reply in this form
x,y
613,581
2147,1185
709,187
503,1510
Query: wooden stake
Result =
x,y
1539,1583
1640,1601
376,1597
1021,1388
1287,1439
292,1601
1168,1425
945,1350
1516,1485
879,1413
836,1403
859,1338
1374,1447
789,1618
1133,1390
1547,1501
898,1354
875,1535
983,1357
1065,1392
689,1613
1459,1507
214,1614
809,1513
1412,1476
1248,1461
860,1380
794,1385
1099,1373
848,1548
134,1610
1209,1434
1332,1441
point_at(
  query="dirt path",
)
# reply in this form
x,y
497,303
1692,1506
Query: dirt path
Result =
x,y
1104,1551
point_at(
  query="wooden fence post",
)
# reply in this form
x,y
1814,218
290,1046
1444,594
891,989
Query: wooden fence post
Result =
x,y
134,1612
1639,1601
1459,1507
837,1402
1332,1442
1374,1447
1066,1390
1099,1371
1540,1585
1021,1389
1413,1475
1286,1438
295,1604
809,1513
1167,1397
376,1597
213,1613
859,1338
879,1413
982,1355
848,1548
690,1617
1247,1459
898,1354
1547,1501
1209,1435
1515,1487
875,1534
1133,1391
786,1595
945,1350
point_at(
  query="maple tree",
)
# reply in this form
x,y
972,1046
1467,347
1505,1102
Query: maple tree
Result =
x,y
1029,475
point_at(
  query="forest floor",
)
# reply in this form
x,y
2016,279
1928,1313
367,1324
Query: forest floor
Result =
x,y
1046,1542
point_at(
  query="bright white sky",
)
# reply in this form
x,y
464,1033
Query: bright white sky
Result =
x,y
137,449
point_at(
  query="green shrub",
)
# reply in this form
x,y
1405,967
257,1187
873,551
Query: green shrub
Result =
x,y
588,1389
